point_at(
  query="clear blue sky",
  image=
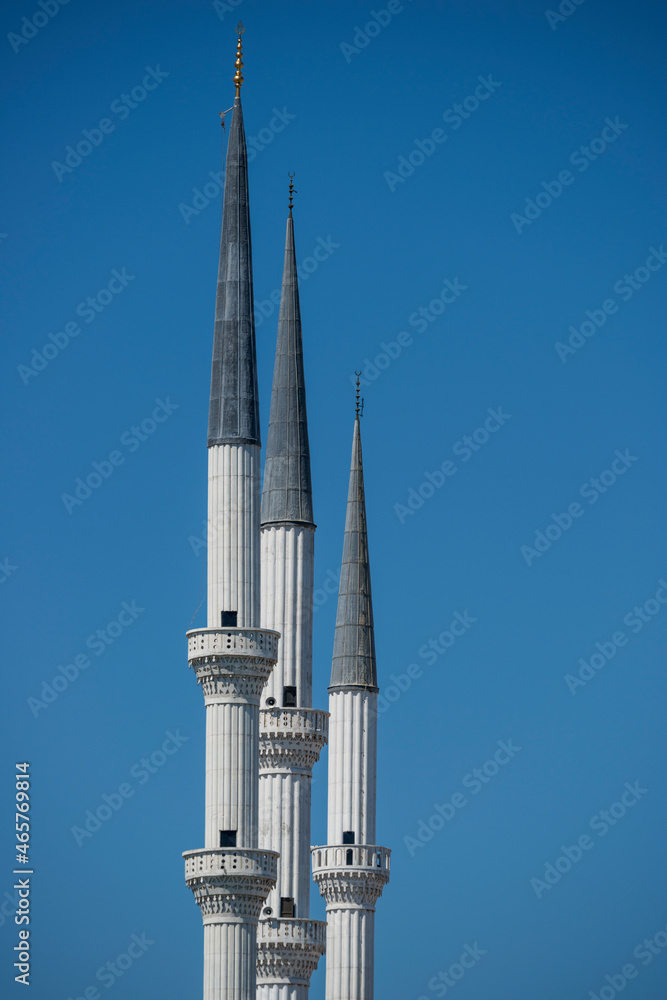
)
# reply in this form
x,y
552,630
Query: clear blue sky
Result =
x,y
534,200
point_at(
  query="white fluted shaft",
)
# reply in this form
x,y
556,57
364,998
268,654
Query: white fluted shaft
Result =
x,y
350,936
287,607
284,826
352,765
232,769
230,951
232,685
281,992
287,566
233,533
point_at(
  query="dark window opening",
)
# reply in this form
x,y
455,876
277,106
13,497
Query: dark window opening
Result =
x,y
228,619
228,838
287,906
348,836
348,857
289,697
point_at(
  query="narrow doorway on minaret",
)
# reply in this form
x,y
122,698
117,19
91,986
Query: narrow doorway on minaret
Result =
x,y
348,836
289,697
287,906
228,619
228,838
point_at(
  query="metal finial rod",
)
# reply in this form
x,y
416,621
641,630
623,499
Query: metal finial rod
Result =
x,y
292,190
238,76
358,374
222,115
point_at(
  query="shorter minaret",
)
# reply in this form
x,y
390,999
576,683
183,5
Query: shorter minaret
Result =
x,y
352,870
292,733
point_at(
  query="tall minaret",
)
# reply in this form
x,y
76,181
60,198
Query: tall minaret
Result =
x,y
291,732
352,871
233,657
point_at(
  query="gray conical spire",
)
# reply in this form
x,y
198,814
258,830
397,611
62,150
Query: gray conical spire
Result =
x,y
234,410
354,643
287,494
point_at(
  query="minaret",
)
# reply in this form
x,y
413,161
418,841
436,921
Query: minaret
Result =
x,y
292,733
232,657
352,871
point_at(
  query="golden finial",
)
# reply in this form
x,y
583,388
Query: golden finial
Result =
x,y
292,190
238,76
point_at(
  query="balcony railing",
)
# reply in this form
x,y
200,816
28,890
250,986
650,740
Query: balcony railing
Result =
x,y
236,641
293,931
297,721
351,856
230,860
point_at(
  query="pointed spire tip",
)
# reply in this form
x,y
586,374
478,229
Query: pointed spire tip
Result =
x,y
287,495
353,663
233,402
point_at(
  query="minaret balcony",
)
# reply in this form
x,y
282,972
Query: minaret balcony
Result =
x,y
237,643
230,882
294,723
291,739
351,874
351,856
213,861
288,950
232,664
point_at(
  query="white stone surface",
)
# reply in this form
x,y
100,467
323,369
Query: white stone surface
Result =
x,y
285,828
363,856
291,740
282,991
287,606
230,957
351,877
232,665
236,644
352,764
233,533
288,953
232,767
350,940
229,860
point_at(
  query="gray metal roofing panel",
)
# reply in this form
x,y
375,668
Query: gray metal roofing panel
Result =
x,y
234,404
353,662
287,494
